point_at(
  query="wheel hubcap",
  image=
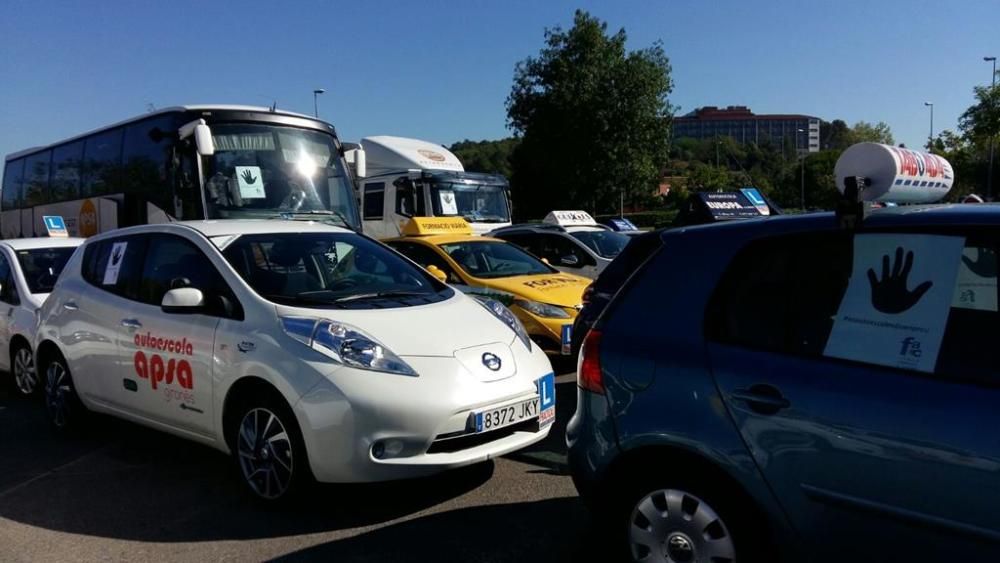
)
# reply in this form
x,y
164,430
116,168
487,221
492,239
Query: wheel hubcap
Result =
x,y
57,394
265,453
673,526
24,371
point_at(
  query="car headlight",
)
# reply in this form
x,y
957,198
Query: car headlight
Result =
x,y
345,344
542,309
503,313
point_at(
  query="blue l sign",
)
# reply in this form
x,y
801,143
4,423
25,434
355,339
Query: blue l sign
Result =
x,y
55,225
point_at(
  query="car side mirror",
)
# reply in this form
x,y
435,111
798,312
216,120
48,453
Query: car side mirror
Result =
x,y
437,273
569,260
183,300
546,260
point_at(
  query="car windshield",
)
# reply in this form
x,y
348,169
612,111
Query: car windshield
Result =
x,y
479,203
607,244
263,171
41,266
340,270
494,259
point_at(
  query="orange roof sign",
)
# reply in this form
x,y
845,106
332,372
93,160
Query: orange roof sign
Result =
x,y
425,226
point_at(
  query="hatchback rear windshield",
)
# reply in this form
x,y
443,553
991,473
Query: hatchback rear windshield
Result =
x,y
330,270
42,266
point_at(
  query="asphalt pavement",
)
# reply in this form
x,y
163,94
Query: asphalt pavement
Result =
x,y
124,492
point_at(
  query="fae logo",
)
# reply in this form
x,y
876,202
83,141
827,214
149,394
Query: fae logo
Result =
x,y
910,347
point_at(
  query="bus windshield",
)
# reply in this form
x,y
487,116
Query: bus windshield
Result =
x,y
478,203
263,171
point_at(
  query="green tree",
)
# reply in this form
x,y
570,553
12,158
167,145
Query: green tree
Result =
x,y
593,119
864,132
486,156
981,122
835,135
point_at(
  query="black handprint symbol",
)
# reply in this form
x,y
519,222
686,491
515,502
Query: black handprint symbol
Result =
x,y
116,257
985,265
248,177
890,295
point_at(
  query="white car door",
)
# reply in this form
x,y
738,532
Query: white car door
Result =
x,y
167,357
90,308
8,302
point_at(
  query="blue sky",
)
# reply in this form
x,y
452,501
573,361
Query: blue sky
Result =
x,y
441,70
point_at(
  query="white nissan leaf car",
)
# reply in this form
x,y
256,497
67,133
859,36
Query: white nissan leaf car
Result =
x,y
29,268
305,350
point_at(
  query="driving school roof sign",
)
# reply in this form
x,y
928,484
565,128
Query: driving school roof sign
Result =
x,y
569,218
723,206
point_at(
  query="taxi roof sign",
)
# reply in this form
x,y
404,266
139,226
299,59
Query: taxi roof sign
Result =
x,y
426,226
569,218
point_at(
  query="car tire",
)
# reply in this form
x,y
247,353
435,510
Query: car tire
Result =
x,y
22,370
268,450
665,518
64,410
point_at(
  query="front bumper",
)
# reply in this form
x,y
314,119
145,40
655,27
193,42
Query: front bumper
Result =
x,y
422,424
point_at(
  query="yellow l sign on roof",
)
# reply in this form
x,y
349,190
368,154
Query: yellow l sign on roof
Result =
x,y
424,226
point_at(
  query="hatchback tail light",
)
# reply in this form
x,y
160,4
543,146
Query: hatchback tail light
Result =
x,y
588,372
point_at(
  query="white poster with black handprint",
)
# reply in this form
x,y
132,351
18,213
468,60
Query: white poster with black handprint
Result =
x,y
897,302
251,182
976,286
114,263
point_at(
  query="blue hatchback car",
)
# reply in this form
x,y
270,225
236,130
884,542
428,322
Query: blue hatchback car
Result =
x,y
786,389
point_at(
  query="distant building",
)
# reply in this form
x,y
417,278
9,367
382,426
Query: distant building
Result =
x,y
738,122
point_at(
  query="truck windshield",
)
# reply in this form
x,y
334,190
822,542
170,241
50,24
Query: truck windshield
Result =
x,y
262,171
478,203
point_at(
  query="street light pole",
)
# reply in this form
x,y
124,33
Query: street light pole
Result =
x,y
930,137
989,171
316,94
802,172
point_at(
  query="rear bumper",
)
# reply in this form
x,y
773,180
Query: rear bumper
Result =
x,y
591,443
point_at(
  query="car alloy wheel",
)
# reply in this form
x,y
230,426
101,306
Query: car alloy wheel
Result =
x,y
24,371
265,453
673,526
58,394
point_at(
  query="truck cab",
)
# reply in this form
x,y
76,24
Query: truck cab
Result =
x,y
400,178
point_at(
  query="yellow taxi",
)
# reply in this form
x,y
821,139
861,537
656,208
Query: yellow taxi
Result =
x,y
543,298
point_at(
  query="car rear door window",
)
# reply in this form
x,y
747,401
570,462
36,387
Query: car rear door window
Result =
x,y
115,265
786,294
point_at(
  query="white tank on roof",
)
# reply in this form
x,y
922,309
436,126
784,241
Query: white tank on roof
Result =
x,y
385,154
897,175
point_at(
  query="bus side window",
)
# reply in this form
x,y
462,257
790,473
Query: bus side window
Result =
x,y
36,178
102,160
146,160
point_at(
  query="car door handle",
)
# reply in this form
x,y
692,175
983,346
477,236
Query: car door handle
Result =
x,y
762,398
70,306
131,323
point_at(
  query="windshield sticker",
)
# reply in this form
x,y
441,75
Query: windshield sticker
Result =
x,y
448,204
976,286
114,263
897,301
251,182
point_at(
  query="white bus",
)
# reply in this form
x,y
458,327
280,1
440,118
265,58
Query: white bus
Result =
x,y
181,163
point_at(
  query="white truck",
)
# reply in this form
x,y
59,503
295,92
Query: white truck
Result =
x,y
399,178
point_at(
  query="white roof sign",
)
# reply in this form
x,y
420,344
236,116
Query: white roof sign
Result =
x,y
569,218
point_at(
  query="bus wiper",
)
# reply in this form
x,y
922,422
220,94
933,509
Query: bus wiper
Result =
x,y
379,295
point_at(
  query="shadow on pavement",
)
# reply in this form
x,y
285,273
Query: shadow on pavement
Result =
x,y
547,530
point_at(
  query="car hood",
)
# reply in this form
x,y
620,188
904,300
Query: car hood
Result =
x,y
439,329
564,290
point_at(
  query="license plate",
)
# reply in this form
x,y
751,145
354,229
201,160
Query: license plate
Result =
x,y
492,419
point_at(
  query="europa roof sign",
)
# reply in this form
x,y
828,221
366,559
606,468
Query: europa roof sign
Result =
x,y
723,206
